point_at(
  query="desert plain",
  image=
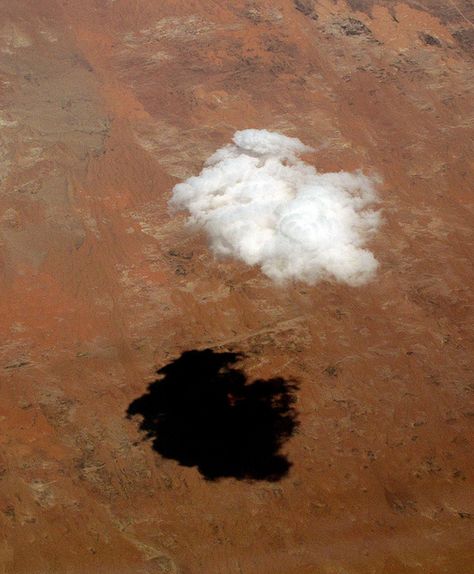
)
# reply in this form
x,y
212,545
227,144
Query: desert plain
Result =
x,y
105,105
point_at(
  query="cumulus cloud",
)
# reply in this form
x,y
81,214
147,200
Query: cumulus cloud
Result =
x,y
260,203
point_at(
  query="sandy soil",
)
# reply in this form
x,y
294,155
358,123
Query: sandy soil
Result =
x,y
105,105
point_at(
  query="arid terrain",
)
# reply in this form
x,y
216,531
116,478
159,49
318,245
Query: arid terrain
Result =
x,y
104,106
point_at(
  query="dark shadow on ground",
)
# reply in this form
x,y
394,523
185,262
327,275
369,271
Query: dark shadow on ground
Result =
x,y
203,412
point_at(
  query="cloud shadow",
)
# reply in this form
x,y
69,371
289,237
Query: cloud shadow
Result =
x,y
203,412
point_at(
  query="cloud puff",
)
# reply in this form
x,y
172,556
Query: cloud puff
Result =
x,y
258,202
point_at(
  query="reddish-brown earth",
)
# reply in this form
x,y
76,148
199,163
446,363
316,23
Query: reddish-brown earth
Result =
x,y
105,105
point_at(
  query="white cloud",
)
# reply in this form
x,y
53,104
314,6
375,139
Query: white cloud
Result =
x,y
258,202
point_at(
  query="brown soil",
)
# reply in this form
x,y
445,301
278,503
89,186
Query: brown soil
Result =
x,y
105,105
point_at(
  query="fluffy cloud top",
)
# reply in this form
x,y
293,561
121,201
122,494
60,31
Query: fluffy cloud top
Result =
x,y
258,202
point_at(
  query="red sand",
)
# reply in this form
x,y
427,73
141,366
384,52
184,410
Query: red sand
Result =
x,y
106,104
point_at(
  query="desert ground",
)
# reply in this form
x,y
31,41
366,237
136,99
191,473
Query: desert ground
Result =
x,y
351,449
